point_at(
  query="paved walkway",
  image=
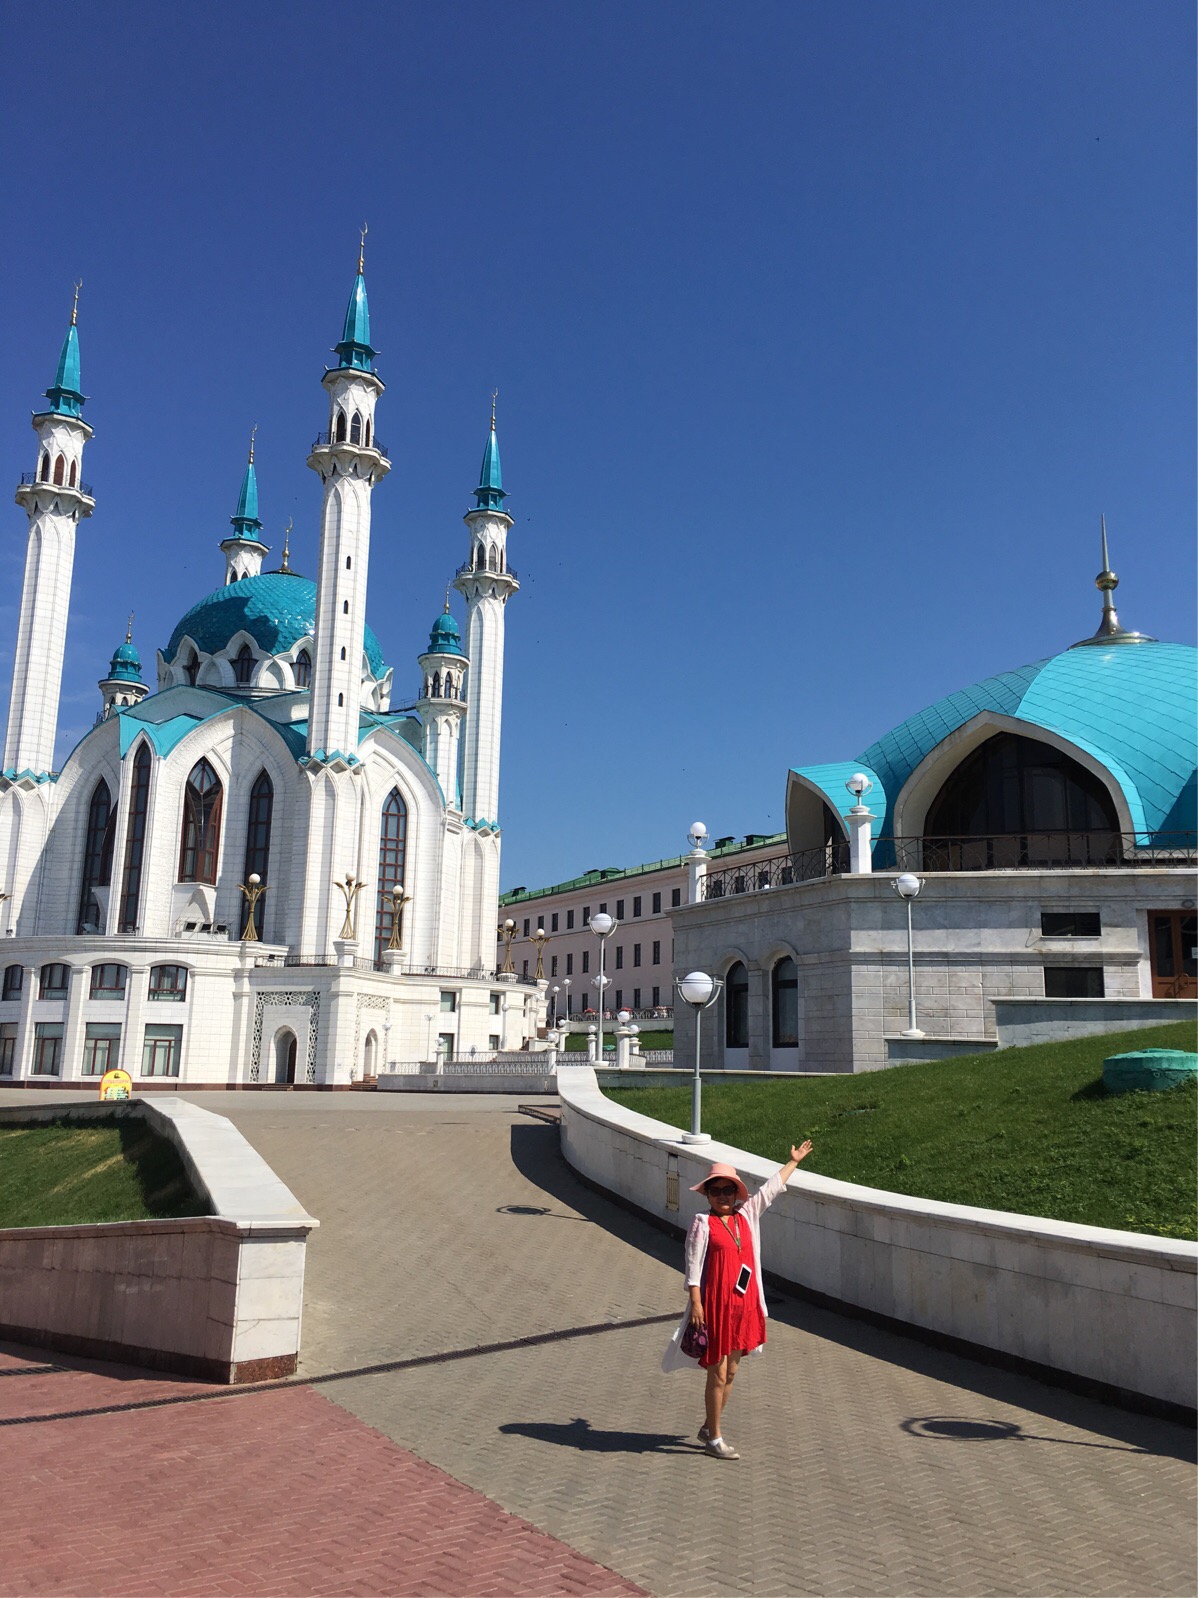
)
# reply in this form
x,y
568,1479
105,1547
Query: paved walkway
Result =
x,y
476,1305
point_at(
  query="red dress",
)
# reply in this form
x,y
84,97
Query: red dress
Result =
x,y
734,1320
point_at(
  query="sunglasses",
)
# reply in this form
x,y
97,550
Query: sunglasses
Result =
x,y
725,1190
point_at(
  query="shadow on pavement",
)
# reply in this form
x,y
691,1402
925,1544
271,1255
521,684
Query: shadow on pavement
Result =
x,y
954,1428
582,1435
536,1153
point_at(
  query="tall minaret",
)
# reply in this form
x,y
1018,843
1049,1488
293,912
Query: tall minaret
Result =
x,y
486,584
442,703
350,462
55,498
243,548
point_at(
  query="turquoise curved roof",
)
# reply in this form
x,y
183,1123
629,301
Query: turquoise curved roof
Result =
x,y
277,609
1133,707
125,665
445,639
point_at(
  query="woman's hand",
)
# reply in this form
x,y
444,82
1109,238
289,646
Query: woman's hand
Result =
x,y
698,1318
800,1153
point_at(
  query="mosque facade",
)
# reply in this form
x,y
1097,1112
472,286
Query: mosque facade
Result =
x,y
255,870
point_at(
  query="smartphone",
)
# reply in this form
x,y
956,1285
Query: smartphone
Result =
x,y
743,1280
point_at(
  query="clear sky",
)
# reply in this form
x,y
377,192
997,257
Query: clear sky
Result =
x,y
823,332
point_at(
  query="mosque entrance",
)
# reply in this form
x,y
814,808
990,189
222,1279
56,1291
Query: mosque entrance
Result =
x,y
1173,937
286,1047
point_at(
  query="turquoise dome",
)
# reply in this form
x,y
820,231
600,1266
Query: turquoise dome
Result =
x,y
445,639
125,665
277,609
1133,707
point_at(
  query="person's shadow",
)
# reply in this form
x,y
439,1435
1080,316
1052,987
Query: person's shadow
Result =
x,y
582,1435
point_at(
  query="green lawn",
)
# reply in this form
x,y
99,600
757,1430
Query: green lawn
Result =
x,y
649,1040
62,1173
1030,1130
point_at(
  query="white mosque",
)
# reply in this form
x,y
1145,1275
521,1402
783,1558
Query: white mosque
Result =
x,y
261,872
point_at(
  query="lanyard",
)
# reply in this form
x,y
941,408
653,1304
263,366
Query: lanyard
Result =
x,y
735,1236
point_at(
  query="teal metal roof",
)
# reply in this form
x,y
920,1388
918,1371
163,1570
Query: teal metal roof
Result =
x,y
277,609
125,665
445,639
65,395
489,494
1133,707
245,519
355,349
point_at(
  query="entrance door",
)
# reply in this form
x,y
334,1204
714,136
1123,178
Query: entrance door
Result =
x,y
1173,935
285,1052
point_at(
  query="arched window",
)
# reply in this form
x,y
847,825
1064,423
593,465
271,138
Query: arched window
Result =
x,y
492,560
74,472
784,983
340,701
343,651
43,470
340,427
349,560
60,469
736,1007
436,685
355,429
257,843
345,607
191,667
97,857
135,840
448,686
366,433
201,825
1014,801
243,665
393,839
302,669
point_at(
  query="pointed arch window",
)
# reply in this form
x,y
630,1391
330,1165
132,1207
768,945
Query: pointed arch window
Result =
x,y
393,842
355,428
243,665
97,857
736,1007
257,843
366,433
302,670
202,804
191,668
44,468
60,469
436,685
74,472
448,686
339,430
135,840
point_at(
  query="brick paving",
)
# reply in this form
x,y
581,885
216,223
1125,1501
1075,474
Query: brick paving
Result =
x,y
871,1465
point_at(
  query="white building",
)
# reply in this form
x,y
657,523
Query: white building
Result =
x,y
269,756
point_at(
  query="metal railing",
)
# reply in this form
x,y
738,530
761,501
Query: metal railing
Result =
x,y
35,478
323,439
466,569
527,1063
475,973
1028,851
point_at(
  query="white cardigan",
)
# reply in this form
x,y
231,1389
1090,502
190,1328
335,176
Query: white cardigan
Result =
x,y
696,1253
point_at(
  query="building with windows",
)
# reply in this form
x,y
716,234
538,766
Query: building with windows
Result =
x,y
1049,814
262,871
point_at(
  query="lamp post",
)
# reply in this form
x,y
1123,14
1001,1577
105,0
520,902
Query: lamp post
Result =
x,y
908,887
699,991
396,898
386,1043
253,890
566,985
540,938
556,991
602,926
507,931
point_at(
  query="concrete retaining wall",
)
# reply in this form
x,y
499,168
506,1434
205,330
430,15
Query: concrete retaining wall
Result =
x,y
1021,1021
217,1296
1116,1310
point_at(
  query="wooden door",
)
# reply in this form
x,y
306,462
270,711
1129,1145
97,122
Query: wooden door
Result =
x,y
1173,937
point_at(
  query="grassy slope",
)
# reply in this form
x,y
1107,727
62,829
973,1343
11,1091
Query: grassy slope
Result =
x,y
576,1041
1029,1130
63,1174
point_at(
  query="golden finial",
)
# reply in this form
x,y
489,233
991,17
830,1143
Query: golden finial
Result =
x,y
494,397
253,432
447,588
129,629
75,307
362,250
286,566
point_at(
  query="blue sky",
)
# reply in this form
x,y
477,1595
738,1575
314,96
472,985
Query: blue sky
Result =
x,y
823,334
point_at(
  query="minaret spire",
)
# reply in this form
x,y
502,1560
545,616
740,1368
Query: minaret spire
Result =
x,y
65,394
489,494
244,548
355,350
1109,630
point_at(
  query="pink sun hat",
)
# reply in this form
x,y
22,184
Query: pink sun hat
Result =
x,y
729,1173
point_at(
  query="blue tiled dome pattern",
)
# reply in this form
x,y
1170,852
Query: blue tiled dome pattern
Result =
x,y
277,609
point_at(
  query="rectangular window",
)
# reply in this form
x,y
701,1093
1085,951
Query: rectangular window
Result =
x,y
108,981
1073,982
602,909
553,965
657,904
449,1003
675,898
569,920
445,1045
656,951
524,972
636,905
495,998
55,980
586,961
553,922
161,1050
8,1048
569,965
636,954
493,1042
526,926
619,998
168,982
619,958
47,1048
586,915
619,909
636,998
101,1048
14,980
656,997
1070,924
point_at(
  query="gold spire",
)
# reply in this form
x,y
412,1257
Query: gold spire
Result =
x,y
448,586
75,307
253,432
362,250
286,566
494,397
129,629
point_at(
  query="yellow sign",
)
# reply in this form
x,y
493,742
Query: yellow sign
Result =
x,y
116,1084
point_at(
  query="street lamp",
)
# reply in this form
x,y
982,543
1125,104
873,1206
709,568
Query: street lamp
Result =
x,y
386,1044
566,985
602,926
556,991
908,887
699,991
540,938
507,931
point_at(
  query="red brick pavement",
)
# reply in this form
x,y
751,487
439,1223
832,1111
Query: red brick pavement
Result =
x,y
259,1491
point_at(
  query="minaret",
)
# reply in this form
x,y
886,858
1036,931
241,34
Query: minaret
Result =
x,y
123,685
442,703
55,498
350,462
486,584
1109,630
244,549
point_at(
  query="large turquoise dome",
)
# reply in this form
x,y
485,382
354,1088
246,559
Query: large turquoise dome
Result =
x,y
277,609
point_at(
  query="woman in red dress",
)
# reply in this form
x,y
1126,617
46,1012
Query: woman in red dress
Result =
x,y
724,1282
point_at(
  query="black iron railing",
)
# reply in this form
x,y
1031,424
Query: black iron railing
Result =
x,y
1029,851
34,477
323,439
476,973
468,570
